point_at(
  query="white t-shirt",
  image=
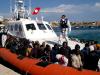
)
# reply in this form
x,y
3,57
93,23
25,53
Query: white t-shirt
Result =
x,y
99,64
76,61
4,38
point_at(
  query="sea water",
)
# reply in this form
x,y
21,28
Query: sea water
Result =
x,y
83,33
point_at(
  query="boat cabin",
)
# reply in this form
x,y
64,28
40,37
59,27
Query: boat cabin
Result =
x,y
31,29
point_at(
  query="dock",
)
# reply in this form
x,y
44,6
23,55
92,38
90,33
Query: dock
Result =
x,y
6,71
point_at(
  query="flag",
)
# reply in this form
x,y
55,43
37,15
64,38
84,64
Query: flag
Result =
x,y
36,11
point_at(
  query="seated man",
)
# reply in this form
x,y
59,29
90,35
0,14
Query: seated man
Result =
x,y
76,58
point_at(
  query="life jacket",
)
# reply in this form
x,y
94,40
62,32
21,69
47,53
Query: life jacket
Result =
x,y
63,23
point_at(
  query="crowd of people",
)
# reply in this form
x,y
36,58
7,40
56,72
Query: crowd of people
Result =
x,y
87,58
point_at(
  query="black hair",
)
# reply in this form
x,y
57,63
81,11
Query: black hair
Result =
x,y
77,46
65,43
64,15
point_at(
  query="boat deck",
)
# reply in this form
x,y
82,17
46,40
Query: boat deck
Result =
x,y
6,71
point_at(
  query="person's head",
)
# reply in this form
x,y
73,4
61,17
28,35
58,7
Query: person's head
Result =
x,y
65,44
42,47
43,43
48,47
36,46
77,47
87,45
63,16
56,46
92,42
37,42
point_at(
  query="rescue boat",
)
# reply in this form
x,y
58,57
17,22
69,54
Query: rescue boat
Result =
x,y
35,66
22,26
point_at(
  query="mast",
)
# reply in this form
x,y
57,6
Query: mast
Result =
x,y
10,6
29,6
19,10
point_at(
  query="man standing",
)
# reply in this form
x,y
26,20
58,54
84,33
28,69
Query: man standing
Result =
x,y
65,26
4,37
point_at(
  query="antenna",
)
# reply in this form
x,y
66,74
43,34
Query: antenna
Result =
x,y
36,19
10,6
30,6
42,18
19,9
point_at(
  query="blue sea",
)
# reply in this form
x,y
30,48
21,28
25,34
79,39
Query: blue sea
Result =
x,y
83,33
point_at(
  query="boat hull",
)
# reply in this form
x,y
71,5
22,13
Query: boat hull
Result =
x,y
30,66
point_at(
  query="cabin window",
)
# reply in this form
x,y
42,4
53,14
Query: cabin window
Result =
x,y
41,26
30,26
16,27
11,28
0,28
20,28
48,27
8,27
